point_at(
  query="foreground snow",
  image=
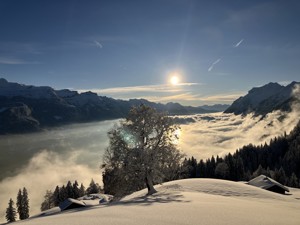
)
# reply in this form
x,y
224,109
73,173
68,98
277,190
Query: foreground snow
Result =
x,y
191,201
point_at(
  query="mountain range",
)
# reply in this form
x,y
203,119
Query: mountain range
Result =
x,y
265,99
27,108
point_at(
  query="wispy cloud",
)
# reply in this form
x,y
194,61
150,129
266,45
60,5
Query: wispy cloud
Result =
x,y
183,93
98,44
224,98
142,88
213,64
183,97
14,61
239,43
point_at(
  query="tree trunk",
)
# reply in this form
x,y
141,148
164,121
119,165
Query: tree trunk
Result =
x,y
149,184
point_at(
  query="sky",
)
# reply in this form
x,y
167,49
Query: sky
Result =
x,y
218,50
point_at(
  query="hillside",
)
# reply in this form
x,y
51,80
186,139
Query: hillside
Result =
x,y
265,99
190,201
26,108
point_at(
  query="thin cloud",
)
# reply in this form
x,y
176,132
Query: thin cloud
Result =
x,y
239,43
98,44
179,97
213,64
224,98
14,61
142,88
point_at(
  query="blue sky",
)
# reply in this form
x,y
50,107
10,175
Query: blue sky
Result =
x,y
129,49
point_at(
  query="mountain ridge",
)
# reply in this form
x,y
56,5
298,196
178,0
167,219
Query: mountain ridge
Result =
x,y
266,99
33,108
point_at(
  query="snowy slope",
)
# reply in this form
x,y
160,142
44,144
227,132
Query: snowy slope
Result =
x,y
191,201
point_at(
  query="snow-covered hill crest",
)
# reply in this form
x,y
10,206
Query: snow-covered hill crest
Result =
x,y
190,201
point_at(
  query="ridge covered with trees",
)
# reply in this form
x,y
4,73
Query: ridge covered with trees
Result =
x,y
70,190
127,159
280,160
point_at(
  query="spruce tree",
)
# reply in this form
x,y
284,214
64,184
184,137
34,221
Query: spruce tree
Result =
x,y
48,202
19,204
25,203
76,191
93,188
69,190
81,190
63,194
11,213
56,196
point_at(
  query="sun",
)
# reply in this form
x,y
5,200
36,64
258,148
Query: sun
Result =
x,y
174,80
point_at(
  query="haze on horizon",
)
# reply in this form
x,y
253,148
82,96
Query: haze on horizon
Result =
x,y
217,50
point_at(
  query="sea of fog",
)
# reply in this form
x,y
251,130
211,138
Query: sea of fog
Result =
x,y
40,161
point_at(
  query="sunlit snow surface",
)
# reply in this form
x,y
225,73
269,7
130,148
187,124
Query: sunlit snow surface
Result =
x,y
43,160
192,201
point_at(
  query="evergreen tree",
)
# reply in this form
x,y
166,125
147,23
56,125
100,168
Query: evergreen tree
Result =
x,y
11,213
93,188
23,204
202,168
63,194
56,196
293,181
76,191
20,204
81,190
260,171
69,190
48,202
222,170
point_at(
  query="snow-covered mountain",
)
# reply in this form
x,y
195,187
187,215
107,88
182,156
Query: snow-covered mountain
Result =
x,y
189,201
9,89
29,108
265,99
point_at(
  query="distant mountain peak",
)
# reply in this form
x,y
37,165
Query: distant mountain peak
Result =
x,y
3,81
265,99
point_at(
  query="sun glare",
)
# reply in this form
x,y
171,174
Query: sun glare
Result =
x,y
174,80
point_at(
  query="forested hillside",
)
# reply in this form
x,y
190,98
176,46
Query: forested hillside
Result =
x,y
279,159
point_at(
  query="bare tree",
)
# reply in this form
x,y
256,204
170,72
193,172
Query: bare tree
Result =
x,y
141,152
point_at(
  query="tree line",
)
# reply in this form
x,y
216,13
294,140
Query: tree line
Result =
x,y
280,160
51,198
143,145
70,190
142,152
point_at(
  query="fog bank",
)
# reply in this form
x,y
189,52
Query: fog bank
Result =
x,y
43,160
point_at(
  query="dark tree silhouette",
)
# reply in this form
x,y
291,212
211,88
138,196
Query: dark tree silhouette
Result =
x,y
141,151
11,213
